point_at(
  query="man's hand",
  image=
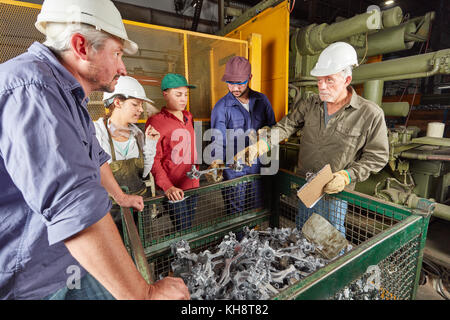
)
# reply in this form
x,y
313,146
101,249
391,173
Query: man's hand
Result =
x,y
152,133
130,201
169,288
249,154
340,180
217,175
174,193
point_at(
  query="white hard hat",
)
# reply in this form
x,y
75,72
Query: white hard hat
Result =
x,y
102,14
129,88
335,58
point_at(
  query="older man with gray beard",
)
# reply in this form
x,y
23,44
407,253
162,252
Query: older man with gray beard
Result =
x,y
339,128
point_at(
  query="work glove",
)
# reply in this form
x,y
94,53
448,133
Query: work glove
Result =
x,y
249,154
217,175
338,183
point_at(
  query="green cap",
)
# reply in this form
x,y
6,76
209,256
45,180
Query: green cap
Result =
x,y
174,80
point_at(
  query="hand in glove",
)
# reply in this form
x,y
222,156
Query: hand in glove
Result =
x,y
340,180
217,175
249,154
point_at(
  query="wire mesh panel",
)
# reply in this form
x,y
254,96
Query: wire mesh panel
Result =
x,y
203,208
201,58
398,272
386,238
17,30
358,218
396,277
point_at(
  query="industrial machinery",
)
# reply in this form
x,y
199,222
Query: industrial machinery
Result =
x,y
373,34
416,173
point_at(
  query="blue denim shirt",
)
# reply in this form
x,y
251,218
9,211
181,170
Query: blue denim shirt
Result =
x,y
49,173
228,113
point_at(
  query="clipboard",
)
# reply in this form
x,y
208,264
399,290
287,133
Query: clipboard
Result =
x,y
312,191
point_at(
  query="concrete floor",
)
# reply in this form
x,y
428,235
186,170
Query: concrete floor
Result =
x,y
428,292
438,251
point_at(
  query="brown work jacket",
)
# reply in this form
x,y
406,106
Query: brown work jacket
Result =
x,y
355,138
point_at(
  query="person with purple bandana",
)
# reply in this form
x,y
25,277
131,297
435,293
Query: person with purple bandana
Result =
x,y
242,111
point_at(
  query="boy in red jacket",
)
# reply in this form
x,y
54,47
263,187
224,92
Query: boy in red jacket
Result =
x,y
175,151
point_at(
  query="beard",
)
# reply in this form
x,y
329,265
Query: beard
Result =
x,y
327,96
239,94
99,85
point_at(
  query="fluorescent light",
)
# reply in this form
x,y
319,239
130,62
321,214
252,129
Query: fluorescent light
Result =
x,y
388,2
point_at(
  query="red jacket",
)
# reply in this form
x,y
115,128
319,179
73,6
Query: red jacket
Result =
x,y
175,151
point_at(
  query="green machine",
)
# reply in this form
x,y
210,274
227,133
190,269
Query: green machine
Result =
x,y
417,175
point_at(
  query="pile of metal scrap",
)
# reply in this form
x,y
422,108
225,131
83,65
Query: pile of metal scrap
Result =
x,y
361,289
257,267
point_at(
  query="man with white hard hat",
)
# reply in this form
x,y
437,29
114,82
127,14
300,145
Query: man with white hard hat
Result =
x,y
58,240
339,128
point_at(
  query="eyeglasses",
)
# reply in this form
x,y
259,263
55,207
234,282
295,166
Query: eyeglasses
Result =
x,y
237,83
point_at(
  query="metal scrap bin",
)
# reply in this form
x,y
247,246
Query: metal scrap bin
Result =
x,y
387,239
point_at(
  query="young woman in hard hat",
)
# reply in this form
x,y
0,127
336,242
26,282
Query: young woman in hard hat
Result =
x,y
132,153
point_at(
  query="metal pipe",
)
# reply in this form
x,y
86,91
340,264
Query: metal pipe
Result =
x,y
414,75
387,40
373,91
306,83
417,66
441,211
395,109
314,38
198,9
422,156
392,17
424,22
221,13
358,24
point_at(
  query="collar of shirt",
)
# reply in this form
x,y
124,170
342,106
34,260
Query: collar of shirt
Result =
x,y
354,101
186,115
64,77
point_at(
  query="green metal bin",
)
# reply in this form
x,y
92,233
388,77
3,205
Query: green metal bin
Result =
x,y
387,239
